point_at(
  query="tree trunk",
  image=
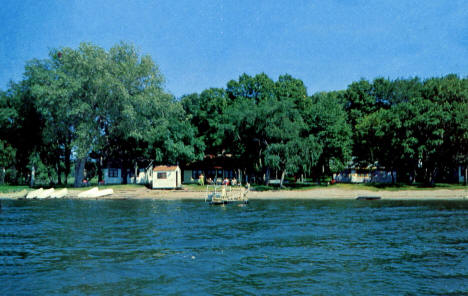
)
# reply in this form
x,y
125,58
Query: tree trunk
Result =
x,y
33,175
136,173
466,174
67,164
59,174
414,177
99,170
267,176
393,176
2,175
124,173
282,179
79,171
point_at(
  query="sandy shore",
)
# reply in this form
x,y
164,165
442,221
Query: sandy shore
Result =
x,y
322,193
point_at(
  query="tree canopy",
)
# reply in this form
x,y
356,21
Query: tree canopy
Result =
x,y
89,104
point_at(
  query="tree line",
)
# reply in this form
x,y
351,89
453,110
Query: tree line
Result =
x,y
81,106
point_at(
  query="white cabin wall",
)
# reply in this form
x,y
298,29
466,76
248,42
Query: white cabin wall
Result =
x,y
170,182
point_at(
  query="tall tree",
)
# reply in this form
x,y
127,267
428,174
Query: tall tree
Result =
x,y
326,120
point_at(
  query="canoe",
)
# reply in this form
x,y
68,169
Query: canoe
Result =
x,y
104,192
88,193
34,193
45,193
95,192
59,193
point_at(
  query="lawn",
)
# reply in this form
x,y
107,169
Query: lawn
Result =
x,y
290,186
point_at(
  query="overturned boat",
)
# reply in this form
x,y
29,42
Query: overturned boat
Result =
x,y
59,193
95,192
34,193
45,193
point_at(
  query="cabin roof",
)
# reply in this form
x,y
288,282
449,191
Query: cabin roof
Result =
x,y
165,168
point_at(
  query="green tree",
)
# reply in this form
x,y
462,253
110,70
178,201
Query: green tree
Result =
x,y
107,105
326,120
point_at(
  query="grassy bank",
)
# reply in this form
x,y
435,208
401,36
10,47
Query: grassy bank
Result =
x,y
18,188
367,186
12,188
342,186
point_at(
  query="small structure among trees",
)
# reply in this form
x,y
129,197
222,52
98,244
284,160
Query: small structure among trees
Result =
x,y
165,177
378,176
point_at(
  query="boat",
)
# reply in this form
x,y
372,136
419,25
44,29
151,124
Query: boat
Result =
x,y
89,193
104,192
368,197
95,192
220,195
34,193
45,193
59,193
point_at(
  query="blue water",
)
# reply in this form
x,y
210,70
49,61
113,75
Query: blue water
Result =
x,y
294,247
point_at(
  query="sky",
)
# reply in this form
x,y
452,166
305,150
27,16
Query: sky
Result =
x,y
202,44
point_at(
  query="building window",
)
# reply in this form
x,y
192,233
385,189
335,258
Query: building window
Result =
x,y
113,173
162,175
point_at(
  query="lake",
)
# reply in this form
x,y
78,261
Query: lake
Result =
x,y
277,247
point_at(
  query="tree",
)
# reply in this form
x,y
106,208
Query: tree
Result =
x,y
251,99
107,104
326,120
210,117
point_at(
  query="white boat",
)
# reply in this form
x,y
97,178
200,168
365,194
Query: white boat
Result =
x,y
104,192
88,193
95,192
45,193
34,193
59,193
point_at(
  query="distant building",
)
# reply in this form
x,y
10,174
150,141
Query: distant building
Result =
x,y
112,174
215,168
365,176
165,177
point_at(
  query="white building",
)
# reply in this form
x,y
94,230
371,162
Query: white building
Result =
x,y
165,177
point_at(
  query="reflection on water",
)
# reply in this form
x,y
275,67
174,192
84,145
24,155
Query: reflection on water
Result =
x,y
57,247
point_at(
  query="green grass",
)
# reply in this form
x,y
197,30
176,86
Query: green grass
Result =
x,y
12,188
194,187
290,186
17,188
367,186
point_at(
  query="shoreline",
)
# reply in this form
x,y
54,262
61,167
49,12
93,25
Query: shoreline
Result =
x,y
312,194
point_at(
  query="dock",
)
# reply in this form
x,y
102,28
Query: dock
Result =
x,y
221,195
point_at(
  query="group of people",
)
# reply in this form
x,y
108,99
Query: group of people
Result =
x,y
226,181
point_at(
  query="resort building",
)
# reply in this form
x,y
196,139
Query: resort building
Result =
x,y
213,168
165,177
112,174
365,176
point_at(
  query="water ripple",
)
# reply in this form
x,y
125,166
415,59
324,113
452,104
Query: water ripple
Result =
x,y
295,247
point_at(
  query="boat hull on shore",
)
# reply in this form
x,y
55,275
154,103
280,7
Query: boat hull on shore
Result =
x,y
59,193
45,193
95,192
34,193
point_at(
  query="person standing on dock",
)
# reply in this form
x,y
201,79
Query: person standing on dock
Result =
x,y
201,179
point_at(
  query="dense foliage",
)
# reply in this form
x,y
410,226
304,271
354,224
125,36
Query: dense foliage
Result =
x,y
81,106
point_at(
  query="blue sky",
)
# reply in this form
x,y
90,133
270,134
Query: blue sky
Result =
x,y
202,44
